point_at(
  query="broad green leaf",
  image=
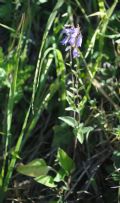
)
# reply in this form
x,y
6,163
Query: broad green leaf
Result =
x,y
69,120
65,161
80,136
35,168
60,175
46,180
82,132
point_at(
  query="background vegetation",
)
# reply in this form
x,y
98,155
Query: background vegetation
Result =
x,y
59,120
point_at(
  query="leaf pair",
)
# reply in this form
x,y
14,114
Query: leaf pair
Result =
x,y
80,130
39,169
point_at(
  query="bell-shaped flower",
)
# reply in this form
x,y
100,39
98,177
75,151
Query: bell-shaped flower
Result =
x,y
79,40
72,39
65,40
75,53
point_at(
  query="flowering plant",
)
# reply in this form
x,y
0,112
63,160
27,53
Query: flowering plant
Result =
x,y
72,39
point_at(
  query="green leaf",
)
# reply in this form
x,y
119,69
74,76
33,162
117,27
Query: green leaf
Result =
x,y
80,135
60,175
69,120
35,168
46,180
65,161
82,132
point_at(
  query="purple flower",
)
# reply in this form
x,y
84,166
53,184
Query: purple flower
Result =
x,y
79,40
75,52
72,39
65,41
68,31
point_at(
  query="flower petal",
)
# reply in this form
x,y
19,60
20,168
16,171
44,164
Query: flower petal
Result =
x,y
72,41
67,31
75,53
65,41
76,31
79,40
